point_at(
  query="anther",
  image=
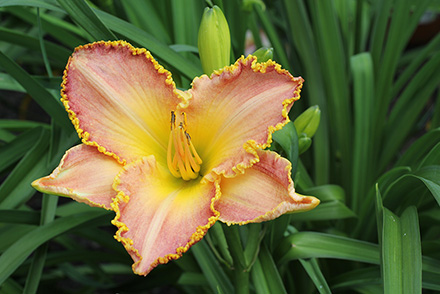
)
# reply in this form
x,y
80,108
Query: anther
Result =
x,y
182,158
173,120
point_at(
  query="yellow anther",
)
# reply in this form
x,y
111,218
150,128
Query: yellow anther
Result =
x,y
182,158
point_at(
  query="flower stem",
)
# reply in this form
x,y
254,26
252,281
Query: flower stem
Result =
x,y
241,282
241,274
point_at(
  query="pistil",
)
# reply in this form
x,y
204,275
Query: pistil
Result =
x,y
182,158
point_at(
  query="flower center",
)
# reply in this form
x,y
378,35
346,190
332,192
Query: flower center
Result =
x,y
182,158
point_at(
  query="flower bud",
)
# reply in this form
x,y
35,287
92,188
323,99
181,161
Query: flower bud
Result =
x,y
263,54
308,121
248,5
214,40
303,144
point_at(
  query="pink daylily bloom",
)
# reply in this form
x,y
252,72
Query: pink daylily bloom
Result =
x,y
171,163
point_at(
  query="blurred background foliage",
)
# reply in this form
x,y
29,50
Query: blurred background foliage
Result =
x,y
371,66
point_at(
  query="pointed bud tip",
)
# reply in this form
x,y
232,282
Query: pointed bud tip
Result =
x,y
214,40
308,121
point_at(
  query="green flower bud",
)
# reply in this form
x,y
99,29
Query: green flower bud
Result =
x,y
303,144
248,5
214,40
263,54
308,121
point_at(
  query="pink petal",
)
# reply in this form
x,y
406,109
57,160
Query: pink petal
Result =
x,y
120,99
159,216
84,174
236,111
264,192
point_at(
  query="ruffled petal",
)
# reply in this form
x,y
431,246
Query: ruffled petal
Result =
x,y
160,217
264,192
236,111
119,99
84,174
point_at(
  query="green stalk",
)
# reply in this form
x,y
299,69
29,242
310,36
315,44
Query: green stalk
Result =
x,y
217,233
241,275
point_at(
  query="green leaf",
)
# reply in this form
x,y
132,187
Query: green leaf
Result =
x,y
311,244
216,231
391,253
211,269
273,278
36,269
56,52
85,17
407,110
43,97
415,64
312,268
11,287
379,213
16,189
184,48
6,136
302,38
48,4
411,252
147,41
10,234
325,211
49,206
401,252
327,193
358,279
144,15
431,281
334,69
259,278
430,176
253,243
20,125
192,279
363,83
16,254
19,217
416,182
404,14
64,32
14,150
287,138
9,83
419,149
432,158
275,40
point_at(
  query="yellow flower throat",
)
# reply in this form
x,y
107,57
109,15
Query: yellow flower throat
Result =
x,y
182,158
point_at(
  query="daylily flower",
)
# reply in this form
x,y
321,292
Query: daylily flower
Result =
x,y
171,163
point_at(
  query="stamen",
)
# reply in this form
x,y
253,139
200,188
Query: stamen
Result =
x,y
182,158
173,120
171,167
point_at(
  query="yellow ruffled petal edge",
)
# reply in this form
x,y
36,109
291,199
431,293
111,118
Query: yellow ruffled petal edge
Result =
x,y
128,243
135,51
262,68
251,146
83,174
262,186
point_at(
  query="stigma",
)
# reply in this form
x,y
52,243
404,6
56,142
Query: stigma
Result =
x,y
182,158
